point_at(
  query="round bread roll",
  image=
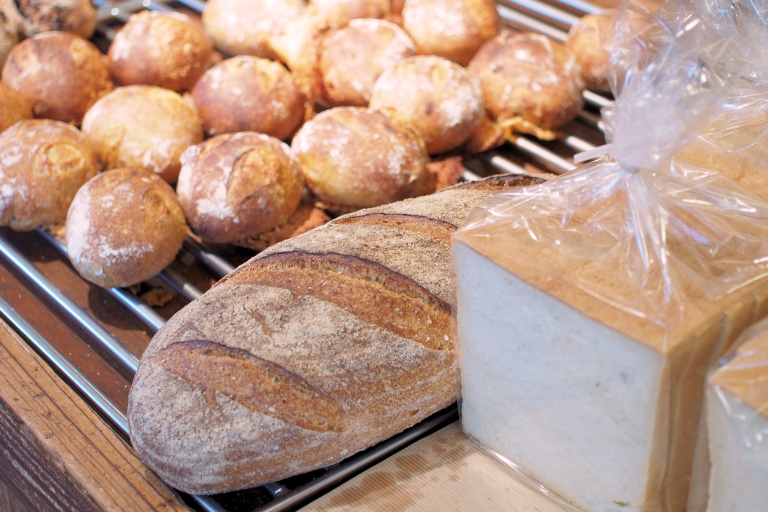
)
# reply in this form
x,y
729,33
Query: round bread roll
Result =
x,y
338,13
529,83
35,16
9,37
166,49
249,94
42,165
354,57
61,73
123,227
584,42
13,107
237,186
453,29
142,127
244,27
437,96
357,157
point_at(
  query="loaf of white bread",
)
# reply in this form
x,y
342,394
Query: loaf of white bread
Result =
x,y
567,369
737,421
317,348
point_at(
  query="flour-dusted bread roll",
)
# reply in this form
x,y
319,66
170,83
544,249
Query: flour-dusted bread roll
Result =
x,y
584,43
143,127
238,186
317,348
42,165
9,37
355,157
36,16
166,49
338,13
247,93
352,58
244,27
452,29
61,73
13,107
123,227
529,82
437,96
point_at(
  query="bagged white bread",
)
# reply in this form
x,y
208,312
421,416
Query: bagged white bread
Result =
x,y
737,420
590,307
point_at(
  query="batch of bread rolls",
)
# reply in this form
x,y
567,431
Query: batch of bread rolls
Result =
x,y
310,131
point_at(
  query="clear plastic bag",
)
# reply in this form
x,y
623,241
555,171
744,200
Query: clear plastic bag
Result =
x,y
590,306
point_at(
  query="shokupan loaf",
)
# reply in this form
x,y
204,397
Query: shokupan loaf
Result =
x,y
317,348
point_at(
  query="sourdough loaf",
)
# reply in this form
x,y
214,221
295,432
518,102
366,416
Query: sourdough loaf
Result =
x,y
317,348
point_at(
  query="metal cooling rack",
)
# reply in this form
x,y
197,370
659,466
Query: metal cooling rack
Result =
x,y
550,17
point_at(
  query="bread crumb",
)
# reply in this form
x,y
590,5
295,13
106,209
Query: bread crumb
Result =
x,y
156,297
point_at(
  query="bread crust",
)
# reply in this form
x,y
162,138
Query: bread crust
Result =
x,y
243,27
35,16
249,94
294,374
339,13
584,43
165,49
123,227
42,165
359,157
352,59
437,96
142,127
452,29
61,73
529,82
13,107
9,37
238,186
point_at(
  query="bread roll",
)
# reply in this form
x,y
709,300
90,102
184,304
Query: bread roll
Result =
x,y
529,82
13,107
36,16
338,13
238,186
243,27
436,95
9,37
584,43
354,57
452,29
319,347
42,165
166,49
357,157
142,127
61,73
123,227
247,93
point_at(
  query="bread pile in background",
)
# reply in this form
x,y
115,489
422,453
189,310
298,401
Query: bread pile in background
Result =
x,y
392,75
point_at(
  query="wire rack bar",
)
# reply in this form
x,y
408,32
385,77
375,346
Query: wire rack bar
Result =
x,y
543,10
214,262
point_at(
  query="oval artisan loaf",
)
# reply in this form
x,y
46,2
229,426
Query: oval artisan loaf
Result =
x,y
321,346
123,227
43,163
584,43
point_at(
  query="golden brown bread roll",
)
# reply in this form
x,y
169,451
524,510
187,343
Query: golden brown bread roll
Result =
x,y
61,73
338,13
452,29
13,107
42,165
142,127
247,93
166,49
123,227
36,16
529,82
436,95
9,37
243,27
237,186
354,57
358,157
584,43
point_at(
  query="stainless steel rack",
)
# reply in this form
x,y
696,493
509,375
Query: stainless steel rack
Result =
x,y
549,17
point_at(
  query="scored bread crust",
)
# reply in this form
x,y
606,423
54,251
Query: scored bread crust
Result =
x,y
317,348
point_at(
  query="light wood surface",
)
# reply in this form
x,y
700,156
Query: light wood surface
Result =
x,y
57,452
